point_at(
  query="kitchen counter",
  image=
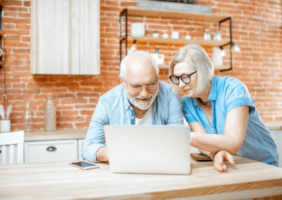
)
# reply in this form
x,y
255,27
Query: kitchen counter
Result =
x,y
69,134
247,179
276,125
63,134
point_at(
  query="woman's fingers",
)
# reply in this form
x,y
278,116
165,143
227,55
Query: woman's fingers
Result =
x,y
219,159
229,158
217,167
218,162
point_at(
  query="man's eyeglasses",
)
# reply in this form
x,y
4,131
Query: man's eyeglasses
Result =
x,y
186,78
149,88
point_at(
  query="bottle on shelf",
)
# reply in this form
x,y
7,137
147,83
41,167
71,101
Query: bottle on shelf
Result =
x,y
158,57
165,35
27,118
217,36
133,47
207,34
50,115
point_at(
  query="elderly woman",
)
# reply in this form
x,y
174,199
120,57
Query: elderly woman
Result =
x,y
220,111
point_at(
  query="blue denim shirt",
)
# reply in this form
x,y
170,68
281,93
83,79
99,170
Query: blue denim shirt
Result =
x,y
114,108
226,94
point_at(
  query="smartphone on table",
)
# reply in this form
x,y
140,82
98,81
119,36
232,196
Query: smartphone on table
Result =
x,y
200,157
84,165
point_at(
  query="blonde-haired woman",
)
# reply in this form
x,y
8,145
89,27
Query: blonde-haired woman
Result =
x,y
220,111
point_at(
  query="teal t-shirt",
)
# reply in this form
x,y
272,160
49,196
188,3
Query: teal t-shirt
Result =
x,y
226,94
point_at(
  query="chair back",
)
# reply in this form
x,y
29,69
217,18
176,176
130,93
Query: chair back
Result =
x,y
11,147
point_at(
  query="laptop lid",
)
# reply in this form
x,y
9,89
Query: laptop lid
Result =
x,y
157,149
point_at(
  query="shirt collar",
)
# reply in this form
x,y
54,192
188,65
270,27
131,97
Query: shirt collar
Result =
x,y
126,101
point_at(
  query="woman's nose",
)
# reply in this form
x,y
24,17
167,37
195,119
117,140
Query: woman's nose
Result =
x,y
181,84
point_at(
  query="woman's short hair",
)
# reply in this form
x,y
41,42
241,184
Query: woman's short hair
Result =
x,y
141,55
196,58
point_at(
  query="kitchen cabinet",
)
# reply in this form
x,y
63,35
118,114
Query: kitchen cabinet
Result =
x,y
65,37
141,12
277,136
49,151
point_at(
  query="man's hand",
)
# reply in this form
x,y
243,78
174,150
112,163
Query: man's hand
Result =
x,y
102,154
219,158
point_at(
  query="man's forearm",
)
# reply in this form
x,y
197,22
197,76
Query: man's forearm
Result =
x,y
102,155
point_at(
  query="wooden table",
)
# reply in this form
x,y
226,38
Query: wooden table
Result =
x,y
247,179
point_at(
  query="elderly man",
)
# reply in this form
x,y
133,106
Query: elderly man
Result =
x,y
140,99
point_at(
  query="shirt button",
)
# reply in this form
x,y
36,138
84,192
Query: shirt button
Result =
x,y
132,117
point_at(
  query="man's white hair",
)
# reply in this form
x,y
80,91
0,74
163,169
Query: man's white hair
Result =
x,y
139,56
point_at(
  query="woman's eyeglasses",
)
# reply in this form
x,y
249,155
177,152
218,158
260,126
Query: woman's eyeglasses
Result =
x,y
185,78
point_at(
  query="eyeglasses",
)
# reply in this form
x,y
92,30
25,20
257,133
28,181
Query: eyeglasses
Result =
x,y
186,78
149,88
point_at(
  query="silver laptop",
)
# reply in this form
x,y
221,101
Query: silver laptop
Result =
x,y
157,149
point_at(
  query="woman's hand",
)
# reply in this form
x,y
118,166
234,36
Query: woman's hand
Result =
x,y
219,158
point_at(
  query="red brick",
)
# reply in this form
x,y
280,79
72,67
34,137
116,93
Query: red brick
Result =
x,y
24,15
86,112
15,9
74,101
12,3
9,14
27,3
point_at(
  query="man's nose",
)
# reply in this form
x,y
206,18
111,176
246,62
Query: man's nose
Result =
x,y
144,93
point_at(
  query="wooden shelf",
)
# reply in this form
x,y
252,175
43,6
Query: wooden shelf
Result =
x,y
140,12
177,41
221,68
163,66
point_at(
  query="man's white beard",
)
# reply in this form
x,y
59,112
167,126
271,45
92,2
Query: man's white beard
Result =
x,y
142,105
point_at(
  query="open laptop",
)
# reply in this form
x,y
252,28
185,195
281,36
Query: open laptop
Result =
x,y
157,149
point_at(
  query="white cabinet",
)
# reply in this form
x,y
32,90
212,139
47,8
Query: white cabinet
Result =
x,y
48,151
277,136
65,37
80,143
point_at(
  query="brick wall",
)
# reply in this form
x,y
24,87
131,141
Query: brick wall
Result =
x,y
256,29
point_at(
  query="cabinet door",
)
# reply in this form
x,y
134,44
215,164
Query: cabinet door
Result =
x,y
65,37
277,136
80,143
49,151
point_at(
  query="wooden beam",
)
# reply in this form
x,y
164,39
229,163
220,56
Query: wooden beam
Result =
x,y
139,12
160,40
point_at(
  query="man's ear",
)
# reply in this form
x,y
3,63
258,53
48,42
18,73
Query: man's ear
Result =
x,y
122,83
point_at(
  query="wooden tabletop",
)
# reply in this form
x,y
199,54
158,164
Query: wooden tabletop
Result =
x,y
246,179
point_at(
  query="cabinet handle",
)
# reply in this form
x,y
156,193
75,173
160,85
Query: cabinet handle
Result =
x,y
51,148
0,151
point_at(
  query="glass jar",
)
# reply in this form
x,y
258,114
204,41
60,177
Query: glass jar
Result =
x,y
217,36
